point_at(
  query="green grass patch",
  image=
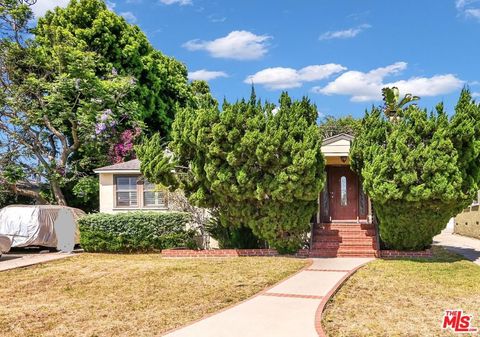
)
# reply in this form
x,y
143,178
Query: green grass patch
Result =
x,y
404,297
128,295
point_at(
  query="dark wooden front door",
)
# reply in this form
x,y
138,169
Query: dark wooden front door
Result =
x,y
343,190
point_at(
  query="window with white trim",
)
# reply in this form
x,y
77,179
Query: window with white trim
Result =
x,y
152,196
126,191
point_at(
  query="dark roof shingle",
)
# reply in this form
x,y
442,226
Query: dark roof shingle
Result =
x,y
131,165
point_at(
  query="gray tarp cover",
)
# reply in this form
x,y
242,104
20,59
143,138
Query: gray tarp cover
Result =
x,y
33,225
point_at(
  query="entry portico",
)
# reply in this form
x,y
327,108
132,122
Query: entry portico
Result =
x,y
344,222
342,199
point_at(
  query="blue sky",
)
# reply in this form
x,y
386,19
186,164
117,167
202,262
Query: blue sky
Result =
x,y
338,53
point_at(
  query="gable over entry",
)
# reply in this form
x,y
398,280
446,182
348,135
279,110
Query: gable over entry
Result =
x,y
342,199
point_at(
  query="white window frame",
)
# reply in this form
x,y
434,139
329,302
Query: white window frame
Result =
x,y
157,196
136,191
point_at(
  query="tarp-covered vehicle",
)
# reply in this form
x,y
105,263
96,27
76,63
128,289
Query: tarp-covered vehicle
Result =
x,y
33,225
5,244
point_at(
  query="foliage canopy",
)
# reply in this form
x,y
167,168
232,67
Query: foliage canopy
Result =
x,y
76,91
161,81
419,168
257,165
331,126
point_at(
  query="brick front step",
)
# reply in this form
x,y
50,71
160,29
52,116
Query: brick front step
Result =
x,y
344,239
336,245
351,232
342,253
346,249
346,226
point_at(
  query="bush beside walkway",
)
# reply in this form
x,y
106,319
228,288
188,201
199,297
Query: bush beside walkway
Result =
x,y
135,232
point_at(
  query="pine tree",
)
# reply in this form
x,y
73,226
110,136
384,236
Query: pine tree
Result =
x,y
259,166
419,169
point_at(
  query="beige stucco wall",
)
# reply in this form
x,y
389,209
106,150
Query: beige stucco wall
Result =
x,y
106,193
338,148
176,202
336,161
468,222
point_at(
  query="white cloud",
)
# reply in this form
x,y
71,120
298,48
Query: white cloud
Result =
x,y
285,78
460,4
129,16
42,6
237,45
111,5
468,8
344,34
176,2
473,13
205,75
364,87
475,94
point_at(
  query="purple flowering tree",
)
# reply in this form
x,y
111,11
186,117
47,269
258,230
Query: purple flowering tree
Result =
x,y
124,148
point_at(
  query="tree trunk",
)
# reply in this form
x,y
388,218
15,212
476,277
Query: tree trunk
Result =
x,y
57,193
23,191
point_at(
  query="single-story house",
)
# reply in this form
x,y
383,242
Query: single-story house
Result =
x,y
343,225
123,188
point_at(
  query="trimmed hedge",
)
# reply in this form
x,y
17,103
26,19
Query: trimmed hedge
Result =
x,y
135,232
411,225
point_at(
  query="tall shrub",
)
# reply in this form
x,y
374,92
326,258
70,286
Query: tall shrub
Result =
x,y
419,168
259,165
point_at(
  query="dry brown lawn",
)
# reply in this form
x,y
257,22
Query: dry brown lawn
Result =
x,y
128,295
404,297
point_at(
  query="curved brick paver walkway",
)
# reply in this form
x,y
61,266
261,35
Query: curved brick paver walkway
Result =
x,y
287,309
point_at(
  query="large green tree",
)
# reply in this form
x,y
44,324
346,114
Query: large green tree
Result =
x,y
161,81
258,166
419,168
86,84
331,126
53,106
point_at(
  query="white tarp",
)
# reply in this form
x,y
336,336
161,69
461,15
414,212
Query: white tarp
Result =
x,y
27,225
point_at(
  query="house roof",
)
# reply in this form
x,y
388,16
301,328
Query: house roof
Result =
x,y
336,138
131,166
337,146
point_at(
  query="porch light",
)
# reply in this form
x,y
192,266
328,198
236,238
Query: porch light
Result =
x,y
343,159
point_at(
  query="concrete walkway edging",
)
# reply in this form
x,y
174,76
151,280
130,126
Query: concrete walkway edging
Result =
x,y
31,260
286,309
321,308
261,293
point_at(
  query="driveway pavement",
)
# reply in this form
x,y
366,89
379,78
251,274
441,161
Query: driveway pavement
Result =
x,y
18,259
285,310
468,247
